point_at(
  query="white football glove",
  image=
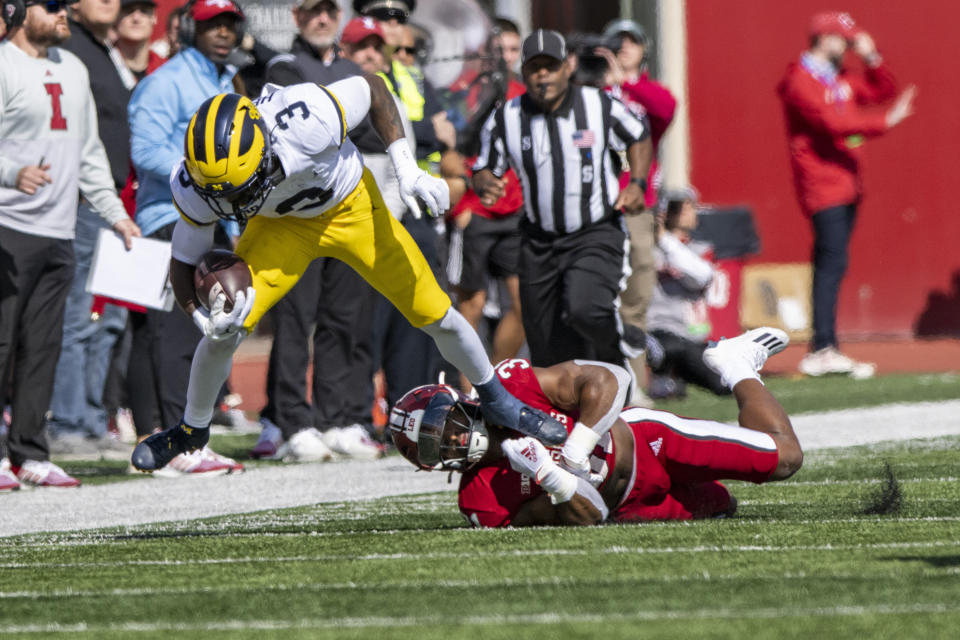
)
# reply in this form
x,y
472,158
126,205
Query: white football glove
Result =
x,y
526,455
417,183
217,324
529,457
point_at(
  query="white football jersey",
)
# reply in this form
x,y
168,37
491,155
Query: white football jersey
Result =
x,y
308,126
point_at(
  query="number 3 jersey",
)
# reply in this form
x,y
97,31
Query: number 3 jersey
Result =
x,y
308,126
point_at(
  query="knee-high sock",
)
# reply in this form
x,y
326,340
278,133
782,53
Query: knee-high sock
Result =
x,y
211,365
460,345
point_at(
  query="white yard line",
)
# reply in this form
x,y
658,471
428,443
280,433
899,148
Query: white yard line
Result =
x,y
161,500
547,618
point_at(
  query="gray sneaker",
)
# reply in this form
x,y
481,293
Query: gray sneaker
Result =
x,y
73,447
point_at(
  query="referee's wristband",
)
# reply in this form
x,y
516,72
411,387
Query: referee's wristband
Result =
x,y
640,182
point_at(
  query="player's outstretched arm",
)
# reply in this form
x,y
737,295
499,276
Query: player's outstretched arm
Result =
x,y
384,114
181,279
540,512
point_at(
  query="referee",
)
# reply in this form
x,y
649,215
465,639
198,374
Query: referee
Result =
x,y
563,142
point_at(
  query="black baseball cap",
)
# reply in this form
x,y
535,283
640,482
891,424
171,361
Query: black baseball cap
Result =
x,y
544,42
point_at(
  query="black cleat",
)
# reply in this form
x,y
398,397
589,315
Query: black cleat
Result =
x,y
158,450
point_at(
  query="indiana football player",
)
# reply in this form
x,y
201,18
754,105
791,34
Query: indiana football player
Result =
x,y
285,166
626,465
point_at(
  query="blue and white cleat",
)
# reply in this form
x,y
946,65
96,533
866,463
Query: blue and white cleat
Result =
x,y
501,408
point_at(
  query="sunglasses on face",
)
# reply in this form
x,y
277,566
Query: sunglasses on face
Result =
x,y
52,6
410,51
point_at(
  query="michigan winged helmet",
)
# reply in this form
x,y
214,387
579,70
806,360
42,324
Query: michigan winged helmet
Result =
x,y
227,154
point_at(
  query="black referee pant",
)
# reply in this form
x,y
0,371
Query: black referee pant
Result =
x,y
335,298
35,277
570,289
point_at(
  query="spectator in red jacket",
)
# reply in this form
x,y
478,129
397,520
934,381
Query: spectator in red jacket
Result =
x,y
628,80
826,127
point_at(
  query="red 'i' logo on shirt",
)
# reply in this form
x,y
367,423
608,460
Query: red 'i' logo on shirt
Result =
x,y
54,90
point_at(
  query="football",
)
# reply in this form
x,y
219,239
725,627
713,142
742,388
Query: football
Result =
x,y
220,271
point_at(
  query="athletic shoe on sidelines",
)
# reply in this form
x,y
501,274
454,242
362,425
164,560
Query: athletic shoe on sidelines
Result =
x,y
43,473
306,445
829,360
156,451
202,462
8,480
270,440
749,351
352,442
121,426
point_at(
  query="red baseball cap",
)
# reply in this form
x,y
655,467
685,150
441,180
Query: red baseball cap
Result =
x,y
207,9
834,23
360,28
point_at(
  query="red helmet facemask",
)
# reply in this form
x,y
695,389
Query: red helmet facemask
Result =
x,y
437,427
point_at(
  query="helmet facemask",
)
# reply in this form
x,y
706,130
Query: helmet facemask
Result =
x,y
246,200
447,433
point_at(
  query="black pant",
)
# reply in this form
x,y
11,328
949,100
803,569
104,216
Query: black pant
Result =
x,y
160,357
832,229
335,298
569,290
35,277
683,358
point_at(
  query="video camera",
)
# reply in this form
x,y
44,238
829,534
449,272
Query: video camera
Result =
x,y
591,68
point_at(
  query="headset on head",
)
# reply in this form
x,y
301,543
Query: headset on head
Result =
x,y
14,13
187,29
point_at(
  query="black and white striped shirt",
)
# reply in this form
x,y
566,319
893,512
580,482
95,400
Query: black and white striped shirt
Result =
x,y
565,160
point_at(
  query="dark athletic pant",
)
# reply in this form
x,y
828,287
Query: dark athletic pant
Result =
x,y
35,277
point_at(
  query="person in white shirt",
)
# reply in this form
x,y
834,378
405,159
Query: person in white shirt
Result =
x,y
50,153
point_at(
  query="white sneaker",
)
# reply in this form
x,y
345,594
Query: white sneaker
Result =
x,y
737,358
43,473
829,360
201,462
352,442
8,479
306,445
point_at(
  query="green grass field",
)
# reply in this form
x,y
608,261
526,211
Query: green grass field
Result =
x,y
810,558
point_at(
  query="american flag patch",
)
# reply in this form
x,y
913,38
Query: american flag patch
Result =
x,y
583,138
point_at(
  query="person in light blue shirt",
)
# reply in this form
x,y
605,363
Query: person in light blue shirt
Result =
x,y
159,112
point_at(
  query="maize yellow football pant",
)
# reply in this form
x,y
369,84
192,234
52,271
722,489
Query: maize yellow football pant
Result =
x,y
361,232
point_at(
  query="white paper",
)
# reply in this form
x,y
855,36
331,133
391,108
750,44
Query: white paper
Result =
x,y
140,276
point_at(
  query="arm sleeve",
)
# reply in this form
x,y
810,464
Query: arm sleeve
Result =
x,y
825,118
190,242
9,168
877,84
153,115
625,128
492,155
353,96
95,179
697,272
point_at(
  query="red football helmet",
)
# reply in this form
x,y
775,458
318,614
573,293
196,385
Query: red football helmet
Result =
x,y
437,427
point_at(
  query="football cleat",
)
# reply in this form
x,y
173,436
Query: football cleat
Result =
x,y
744,356
829,360
501,408
352,442
159,449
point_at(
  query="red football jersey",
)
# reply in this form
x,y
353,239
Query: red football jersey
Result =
x,y
677,462
491,495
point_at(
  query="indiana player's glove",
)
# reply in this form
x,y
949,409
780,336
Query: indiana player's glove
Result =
x,y
416,183
218,324
529,457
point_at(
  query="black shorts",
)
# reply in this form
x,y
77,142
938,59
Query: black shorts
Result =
x,y
485,248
